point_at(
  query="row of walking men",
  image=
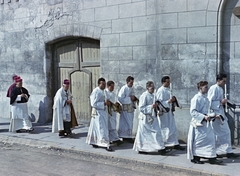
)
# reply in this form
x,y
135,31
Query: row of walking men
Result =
x,y
209,133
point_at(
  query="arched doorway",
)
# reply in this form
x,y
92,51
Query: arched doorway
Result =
x,y
77,60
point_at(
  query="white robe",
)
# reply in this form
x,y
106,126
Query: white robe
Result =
x,y
98,129
112,122
19,119
221,129
201,138
61,110
149,137
168,126
126,117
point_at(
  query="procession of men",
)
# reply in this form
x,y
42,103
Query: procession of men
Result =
x,y
208,137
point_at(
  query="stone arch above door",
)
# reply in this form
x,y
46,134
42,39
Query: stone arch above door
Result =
x,y
54,33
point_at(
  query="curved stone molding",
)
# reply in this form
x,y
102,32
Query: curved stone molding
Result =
x,y
54,33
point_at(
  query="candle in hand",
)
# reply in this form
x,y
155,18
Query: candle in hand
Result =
x,y
170,87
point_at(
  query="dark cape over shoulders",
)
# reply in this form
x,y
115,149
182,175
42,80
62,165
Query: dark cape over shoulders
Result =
x,y
10,90
18,91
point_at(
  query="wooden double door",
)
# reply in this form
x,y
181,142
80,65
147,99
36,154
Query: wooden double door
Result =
x,y
79,61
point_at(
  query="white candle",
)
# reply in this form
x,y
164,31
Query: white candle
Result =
x,y
225,91
154,99
170,87
154,96
105,94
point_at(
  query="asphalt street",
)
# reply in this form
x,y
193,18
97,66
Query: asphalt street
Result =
x,y
19,160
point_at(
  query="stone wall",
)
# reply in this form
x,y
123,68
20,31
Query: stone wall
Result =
x,y
143,38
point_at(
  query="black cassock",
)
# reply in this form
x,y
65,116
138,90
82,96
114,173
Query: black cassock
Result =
x,y
18,91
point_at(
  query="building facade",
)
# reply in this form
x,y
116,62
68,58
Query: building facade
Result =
x,y
46,41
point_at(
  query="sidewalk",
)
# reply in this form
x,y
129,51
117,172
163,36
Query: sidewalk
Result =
x,y
42,137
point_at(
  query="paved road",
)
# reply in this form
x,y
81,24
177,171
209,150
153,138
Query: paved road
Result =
x,y
19,160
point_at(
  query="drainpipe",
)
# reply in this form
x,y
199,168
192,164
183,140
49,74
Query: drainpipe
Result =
x,y
219,47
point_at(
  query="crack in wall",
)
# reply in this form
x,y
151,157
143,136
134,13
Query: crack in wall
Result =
x,y
53,15
7,1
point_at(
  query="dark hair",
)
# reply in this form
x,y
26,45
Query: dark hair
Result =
x,y
201,84
148,84
164,79
109,83
220,76
129,78
101,79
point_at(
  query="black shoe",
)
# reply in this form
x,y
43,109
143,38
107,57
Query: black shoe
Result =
x,y
119,142
68,131
61,133
197,161
232,155
18,131
95,146
219,156
130,140
214,161
109,149
179,147
162,152
141,152
30,130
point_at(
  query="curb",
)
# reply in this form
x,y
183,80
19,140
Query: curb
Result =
x,y
93,155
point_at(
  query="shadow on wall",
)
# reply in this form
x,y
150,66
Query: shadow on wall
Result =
x,y
45,112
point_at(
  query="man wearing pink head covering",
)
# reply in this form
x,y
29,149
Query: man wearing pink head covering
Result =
x,y
63,113
14,78
18,99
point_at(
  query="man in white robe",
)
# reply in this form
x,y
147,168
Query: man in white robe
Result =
x,y
112,121
126,97
222,131
201,138
98,134
149,137
18,99
63,113
168,126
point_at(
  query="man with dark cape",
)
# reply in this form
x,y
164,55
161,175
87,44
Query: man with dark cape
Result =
x,y
20,119
63,112
13,85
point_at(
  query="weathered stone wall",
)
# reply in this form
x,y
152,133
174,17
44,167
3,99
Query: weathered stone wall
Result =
x,y
143,38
